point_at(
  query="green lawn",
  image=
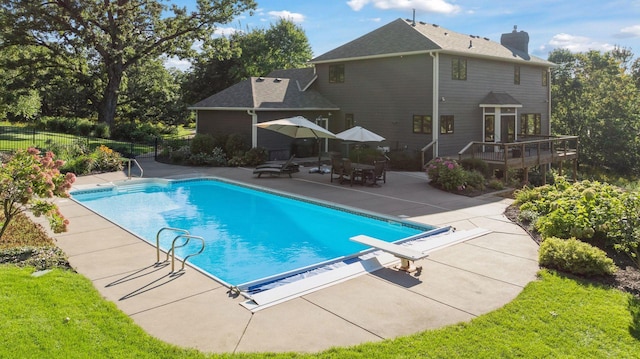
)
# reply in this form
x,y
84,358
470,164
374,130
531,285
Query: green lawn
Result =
x,y
553,317
15,137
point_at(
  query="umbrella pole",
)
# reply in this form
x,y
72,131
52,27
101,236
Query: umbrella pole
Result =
x,y
319,155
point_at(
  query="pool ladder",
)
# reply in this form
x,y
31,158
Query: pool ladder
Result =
x,y
132,160
182,234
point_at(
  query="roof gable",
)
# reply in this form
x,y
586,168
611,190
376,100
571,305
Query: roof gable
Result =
x,y
258,93
402,37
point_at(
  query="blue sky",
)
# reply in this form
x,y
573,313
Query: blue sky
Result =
x,y
578,25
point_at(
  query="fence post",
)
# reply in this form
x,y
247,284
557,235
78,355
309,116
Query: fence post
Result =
x,y
155,149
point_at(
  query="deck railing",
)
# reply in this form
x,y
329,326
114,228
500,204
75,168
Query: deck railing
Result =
x,y
528,151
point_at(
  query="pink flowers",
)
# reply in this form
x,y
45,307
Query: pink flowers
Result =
x,y
446,173
27,180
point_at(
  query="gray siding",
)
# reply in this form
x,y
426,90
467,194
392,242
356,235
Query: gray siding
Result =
x,y
219,123
462,98
383,95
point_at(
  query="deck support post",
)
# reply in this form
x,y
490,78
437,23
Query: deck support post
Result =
x,y
544,174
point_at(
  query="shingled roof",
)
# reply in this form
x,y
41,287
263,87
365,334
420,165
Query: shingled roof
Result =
x,y
401,37
281,90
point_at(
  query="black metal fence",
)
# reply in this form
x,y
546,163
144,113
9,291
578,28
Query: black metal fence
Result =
x,y
14,138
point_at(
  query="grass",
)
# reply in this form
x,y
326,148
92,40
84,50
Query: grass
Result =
x,y
18,137
553,317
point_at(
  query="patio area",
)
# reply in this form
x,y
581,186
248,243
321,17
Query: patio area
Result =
x,y
456,284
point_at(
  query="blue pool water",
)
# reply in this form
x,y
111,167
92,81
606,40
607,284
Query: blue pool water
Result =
x,y
250,234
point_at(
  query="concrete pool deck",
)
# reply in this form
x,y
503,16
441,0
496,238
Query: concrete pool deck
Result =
x,y
457,283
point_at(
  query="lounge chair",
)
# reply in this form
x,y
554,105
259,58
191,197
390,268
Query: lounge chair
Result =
x,y
278,169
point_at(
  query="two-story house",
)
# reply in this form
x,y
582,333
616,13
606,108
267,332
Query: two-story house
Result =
x,y
419,85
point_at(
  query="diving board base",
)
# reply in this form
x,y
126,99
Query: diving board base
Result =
x,y
407,255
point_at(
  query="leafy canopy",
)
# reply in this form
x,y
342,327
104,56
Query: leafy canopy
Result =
x,y
111,36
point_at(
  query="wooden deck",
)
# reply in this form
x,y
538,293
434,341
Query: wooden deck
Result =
x,y
530,152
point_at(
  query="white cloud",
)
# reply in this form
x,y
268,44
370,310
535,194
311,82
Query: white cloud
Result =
x,y
434,6
174,62
287,15
357,5
629,31
226,31
577,43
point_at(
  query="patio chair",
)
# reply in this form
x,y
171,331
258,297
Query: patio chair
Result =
x,y
336,167
347,172
274,169
379,171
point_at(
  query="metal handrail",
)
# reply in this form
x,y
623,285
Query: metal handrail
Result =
x,y
425,148
173,249
129,160
179,230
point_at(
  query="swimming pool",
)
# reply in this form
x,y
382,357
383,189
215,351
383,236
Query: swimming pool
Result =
x,y
251,234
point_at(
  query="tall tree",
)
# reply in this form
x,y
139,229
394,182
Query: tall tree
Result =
x,y
594,96
284,45
112,35
152,92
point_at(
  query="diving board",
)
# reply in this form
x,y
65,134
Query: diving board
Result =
x,y
413,249
407,255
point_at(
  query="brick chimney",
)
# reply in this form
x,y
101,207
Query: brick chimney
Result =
x,y
516,40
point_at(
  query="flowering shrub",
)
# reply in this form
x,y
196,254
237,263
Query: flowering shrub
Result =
x,y
27,179
106,160
447,174
591,211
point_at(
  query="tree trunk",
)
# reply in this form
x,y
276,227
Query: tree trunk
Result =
x,y
107,108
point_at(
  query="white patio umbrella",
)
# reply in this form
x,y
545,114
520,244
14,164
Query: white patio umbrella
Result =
x,y
298,127
359,134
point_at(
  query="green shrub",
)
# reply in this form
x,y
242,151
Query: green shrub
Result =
x,y
235,145
236,161
476,164
215,158
404,161
218,157
202,143
475,180
362,154
574,256
84,127
140,132
495,184
180,155
101,130
256,156
79,165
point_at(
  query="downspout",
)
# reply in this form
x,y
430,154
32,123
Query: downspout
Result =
x,y
254,128
435,101
549,99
